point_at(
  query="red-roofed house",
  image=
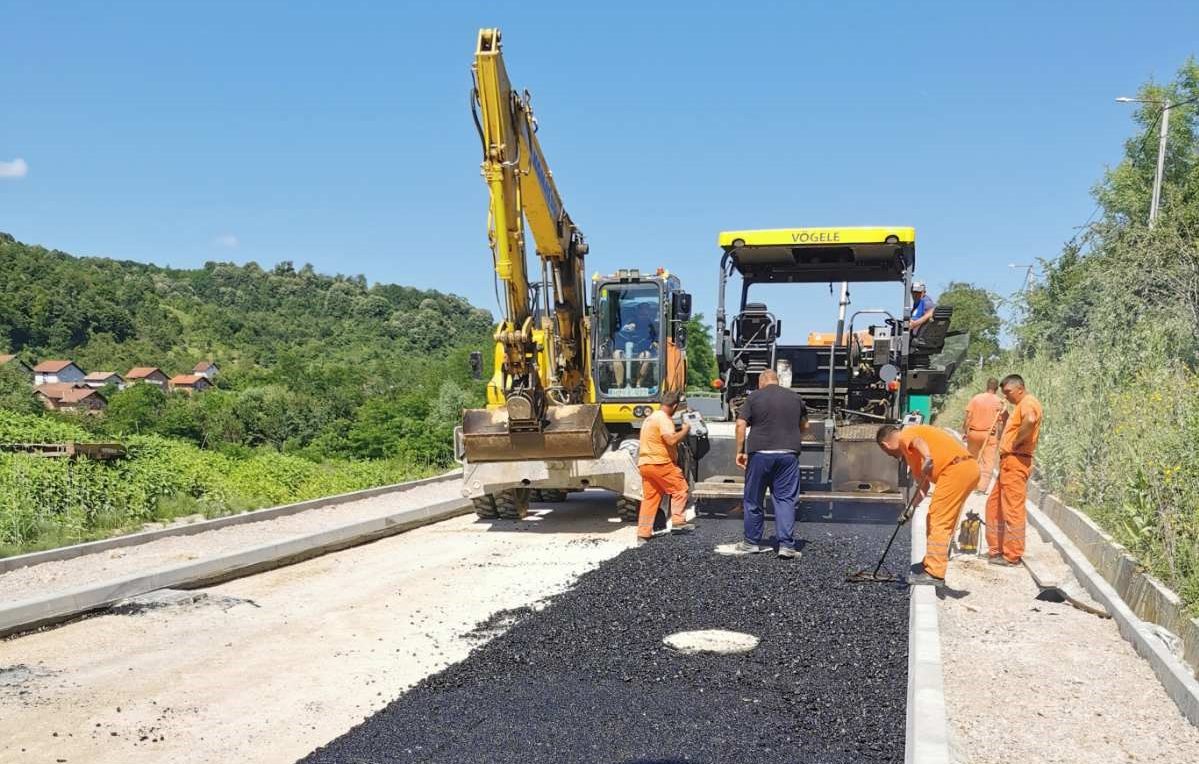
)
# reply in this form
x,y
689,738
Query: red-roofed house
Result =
x,y
151,374
68,396
206,369
17,363
52,372
98,379
190,383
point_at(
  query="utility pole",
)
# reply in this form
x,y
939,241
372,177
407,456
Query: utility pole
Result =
x,y
1027,273
1155,202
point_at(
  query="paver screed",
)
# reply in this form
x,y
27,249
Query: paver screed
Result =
x,y
588,679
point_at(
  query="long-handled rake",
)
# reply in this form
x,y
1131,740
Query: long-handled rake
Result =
x,y
874,576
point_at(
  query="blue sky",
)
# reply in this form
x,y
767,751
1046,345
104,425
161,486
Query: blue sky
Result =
x,y
339,134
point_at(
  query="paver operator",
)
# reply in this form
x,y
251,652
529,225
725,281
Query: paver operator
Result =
x,y
922,307
776,418
1006,514
984,413
934,457
657,461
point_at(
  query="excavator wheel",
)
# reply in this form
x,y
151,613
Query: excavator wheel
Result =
x,y
553,494
485,507
513,504
628,509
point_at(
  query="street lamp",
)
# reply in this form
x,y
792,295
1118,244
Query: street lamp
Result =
x,y
1156,200
1027,273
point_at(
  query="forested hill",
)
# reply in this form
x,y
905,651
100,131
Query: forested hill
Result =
x,y
112,315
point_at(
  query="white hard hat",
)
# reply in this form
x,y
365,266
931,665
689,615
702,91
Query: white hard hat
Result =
x,y
918,286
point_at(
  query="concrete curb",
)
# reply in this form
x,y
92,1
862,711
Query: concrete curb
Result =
x,y
255,516
927,736
30,614
1175,677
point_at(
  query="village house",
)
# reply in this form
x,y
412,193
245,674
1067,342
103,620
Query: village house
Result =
x,y
17,363
150,374
98,379
71,396
206,369
190,383
54,372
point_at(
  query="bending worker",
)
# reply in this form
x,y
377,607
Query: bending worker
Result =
x,y
1006,514
934,456
983,415
777,419
657,461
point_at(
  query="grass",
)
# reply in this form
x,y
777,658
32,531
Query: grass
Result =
x,y
46,503
1121,445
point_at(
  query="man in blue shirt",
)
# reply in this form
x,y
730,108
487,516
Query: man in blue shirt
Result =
x,y
922,307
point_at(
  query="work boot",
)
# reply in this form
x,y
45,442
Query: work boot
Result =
x,y
787,553
642,541
682,530
1001,561
917,579
744,547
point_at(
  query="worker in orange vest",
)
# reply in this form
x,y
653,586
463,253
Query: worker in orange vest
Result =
x,y
1006,513
934,456
657,461
981,426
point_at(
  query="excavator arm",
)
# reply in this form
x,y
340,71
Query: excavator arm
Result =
x,y
545,364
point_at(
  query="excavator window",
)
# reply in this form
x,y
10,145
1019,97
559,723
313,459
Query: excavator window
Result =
x,y
628,361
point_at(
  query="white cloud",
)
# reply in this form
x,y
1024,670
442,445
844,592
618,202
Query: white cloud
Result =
x,y
17,168
227,240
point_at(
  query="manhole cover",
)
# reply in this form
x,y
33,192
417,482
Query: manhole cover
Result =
x,y
711,641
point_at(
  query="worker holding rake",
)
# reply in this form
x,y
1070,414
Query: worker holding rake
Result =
x,y
934,456
983,415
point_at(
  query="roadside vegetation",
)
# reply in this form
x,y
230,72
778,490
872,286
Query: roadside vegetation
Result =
x,y
327,385
1108,339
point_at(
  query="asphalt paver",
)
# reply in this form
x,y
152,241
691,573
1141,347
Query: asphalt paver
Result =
x,y
588,679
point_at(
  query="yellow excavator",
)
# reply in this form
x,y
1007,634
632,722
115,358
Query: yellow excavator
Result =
x,y
570,385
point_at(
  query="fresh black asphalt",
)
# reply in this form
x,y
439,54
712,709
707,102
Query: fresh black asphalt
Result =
x,y
587,679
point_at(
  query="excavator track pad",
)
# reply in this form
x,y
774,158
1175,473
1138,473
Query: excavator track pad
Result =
x,y
569,432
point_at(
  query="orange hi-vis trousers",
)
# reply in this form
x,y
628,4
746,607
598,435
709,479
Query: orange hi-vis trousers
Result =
x,y
954,485
658,480
981,445
1006,514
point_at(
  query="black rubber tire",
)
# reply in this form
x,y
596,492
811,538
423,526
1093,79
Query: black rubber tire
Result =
x,y
628,509
485,507
553,494
513,504
537,494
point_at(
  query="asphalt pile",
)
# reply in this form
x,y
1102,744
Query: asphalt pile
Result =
x,y
587,679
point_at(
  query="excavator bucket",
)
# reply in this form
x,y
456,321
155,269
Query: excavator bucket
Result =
x,y
570,432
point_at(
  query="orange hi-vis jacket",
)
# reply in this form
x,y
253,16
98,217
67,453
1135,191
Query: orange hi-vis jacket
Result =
x,y
943,447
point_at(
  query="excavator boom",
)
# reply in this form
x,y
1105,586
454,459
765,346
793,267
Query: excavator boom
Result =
x,y
541,394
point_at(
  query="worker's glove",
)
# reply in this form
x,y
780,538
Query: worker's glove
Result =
x,y
907,514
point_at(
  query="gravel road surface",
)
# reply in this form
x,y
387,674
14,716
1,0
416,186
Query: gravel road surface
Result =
x,y
1033,681
587,679
266,668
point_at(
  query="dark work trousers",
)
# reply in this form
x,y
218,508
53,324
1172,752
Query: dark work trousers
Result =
x,y
780,472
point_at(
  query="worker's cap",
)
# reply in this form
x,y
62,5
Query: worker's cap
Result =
x,y
918,286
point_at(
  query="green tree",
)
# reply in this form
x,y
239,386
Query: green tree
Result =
x,y
135,410
701,356
974,311
16,391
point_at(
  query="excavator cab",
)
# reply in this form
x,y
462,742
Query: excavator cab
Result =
x,y
639,332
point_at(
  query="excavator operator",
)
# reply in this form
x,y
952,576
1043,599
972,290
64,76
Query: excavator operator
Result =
x,y
637,338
